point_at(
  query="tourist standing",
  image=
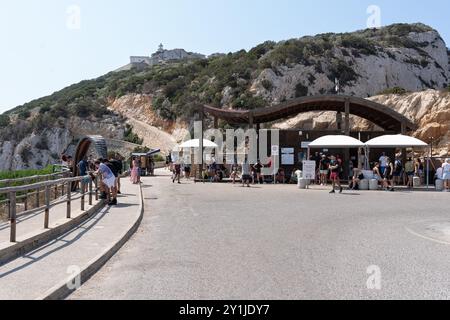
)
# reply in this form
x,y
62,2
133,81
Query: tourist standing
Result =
x,y
82,172
398,171
108,181
135,178
446,174
187,171
246,177
419,169
383,163
388,177
409,170
323,168
335,168
258,168
176,173
118,167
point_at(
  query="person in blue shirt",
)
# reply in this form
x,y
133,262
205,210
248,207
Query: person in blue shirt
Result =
x,y
82,171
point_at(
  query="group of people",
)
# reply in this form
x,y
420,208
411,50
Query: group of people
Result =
x,y
329,168
108,171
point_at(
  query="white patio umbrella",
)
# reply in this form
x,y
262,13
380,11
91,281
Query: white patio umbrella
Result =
x,y
399,141
195,143
395,141
336,142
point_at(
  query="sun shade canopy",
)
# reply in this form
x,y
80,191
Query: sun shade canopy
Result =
x,y
395,141
336,142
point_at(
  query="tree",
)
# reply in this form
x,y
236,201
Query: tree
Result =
x,y
4,120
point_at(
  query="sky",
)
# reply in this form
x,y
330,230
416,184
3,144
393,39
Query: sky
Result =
x,y
47,45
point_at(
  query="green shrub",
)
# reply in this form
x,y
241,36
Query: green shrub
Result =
x,y
301,90
341,70
394,90
363,45
4,120
24,115
267,84
130,136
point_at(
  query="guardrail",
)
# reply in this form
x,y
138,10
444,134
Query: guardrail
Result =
x,y
37,178
50,199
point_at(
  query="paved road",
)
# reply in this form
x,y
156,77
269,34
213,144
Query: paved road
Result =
x,y
203,241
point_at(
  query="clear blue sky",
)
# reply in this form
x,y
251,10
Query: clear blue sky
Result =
x,y
41,54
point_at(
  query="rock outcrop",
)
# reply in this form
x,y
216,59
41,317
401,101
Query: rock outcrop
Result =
x,y
412,68
429,109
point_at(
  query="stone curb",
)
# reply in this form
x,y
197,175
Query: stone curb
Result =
x,y
62,290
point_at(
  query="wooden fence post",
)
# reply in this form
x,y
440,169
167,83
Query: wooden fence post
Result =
x,y
90,192
82,195
69,200
47,207
12,215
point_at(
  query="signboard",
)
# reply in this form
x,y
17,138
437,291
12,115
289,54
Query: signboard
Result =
x,y
309,170
306,144
287,159
275,151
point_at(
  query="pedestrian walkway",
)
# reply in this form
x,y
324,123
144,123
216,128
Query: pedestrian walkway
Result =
x,y
36,274
33,223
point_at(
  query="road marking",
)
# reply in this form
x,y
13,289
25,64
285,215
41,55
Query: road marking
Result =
x,y
427,238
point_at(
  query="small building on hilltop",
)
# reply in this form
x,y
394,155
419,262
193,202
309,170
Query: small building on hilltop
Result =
x,y
161,56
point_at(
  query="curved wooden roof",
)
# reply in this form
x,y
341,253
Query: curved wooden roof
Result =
x,y
379,114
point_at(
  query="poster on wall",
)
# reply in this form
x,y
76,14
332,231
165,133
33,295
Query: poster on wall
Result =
x,y
287,159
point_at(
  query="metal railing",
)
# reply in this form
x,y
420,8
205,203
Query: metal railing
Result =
x,y
53,192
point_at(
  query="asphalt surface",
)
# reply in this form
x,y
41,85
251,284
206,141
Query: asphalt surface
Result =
x,y
223,241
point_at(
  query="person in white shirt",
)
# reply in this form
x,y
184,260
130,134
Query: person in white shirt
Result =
x,y
383,163
446,174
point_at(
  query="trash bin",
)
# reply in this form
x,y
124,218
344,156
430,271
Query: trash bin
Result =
x,y
439,185
302,183
364,184
373,184
416,182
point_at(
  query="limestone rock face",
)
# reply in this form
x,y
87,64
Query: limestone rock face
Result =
x,y
40,150
429,109
413,69
156,133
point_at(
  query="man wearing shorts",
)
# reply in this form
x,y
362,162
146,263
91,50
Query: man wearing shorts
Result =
x,y
108,181
323,168
409,170
335,168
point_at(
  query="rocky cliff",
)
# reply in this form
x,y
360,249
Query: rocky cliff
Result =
x,y
158,101
429,109
39,149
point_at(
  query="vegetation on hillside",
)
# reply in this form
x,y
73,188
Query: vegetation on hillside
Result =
x,y
394,90
179,87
